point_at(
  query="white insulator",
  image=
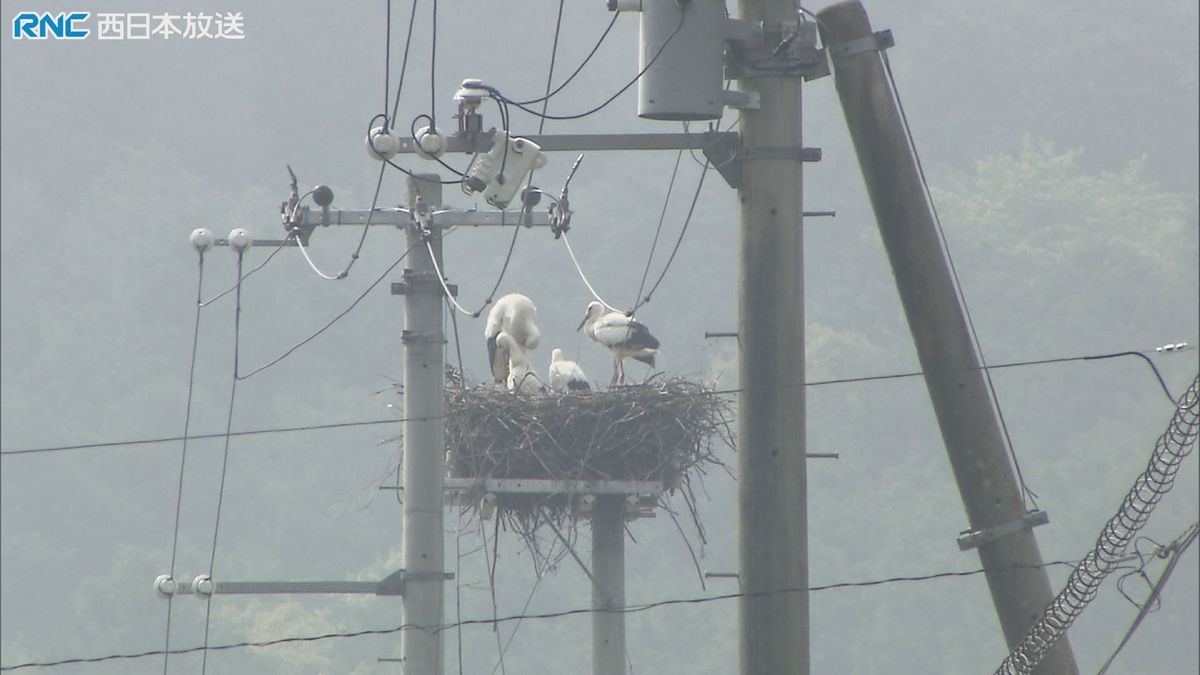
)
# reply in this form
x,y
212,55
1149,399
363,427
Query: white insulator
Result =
x,y
430,144
203,585
166,585
382,144
202,239
240,239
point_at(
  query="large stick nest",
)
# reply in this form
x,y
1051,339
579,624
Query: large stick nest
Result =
x,y
658,431
662,430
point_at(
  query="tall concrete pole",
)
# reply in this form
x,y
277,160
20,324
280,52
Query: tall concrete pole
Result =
x,y
424,448
956,384
772,476
608,587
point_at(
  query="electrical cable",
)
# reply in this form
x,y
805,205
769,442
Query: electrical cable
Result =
x,y
629,609
622,90
237,321
187,422
332,321
496,286
1175,551
412,18
1175,444
550,94
1027,494
567,243
662,216
387,56
719,392
433,68
245,276
683,231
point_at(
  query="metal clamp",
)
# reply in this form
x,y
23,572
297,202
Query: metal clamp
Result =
x,y
875,42
409,337
969,539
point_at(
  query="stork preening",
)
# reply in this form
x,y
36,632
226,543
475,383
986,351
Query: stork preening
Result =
x,y
622,335
566,375
511,332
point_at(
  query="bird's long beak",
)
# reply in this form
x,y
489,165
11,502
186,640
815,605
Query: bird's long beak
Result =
x,y
581,323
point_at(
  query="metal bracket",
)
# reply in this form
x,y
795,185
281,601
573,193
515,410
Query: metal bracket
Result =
x,y
409,337
876,42
969,539
393,584
788,50
420,283
726,154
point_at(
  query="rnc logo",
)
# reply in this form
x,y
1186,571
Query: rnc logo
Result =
x,y
40,25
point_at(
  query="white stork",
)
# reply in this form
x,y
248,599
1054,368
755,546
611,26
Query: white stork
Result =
x,y
566,375
623,336
515,317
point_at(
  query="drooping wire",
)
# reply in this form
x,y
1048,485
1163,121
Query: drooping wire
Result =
x,y
496,286
237,333
550,94
227,291
187,423
1175,550
332,321
662,216
622,90
571,252
1028,496
628,609
1176,443
679,240
718,392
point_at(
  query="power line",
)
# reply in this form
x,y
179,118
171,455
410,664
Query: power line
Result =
x,y
332,321
550,94
622,90
237,336
1175,550
719,392
1176,443
187,422
1027,494
629,609
679,240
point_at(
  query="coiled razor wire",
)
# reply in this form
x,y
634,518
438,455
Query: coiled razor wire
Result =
x,y
1172,447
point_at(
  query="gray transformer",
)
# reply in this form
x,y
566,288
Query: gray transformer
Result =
x,y
685,81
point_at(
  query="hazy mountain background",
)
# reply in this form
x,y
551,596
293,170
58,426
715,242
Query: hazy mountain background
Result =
x,y
1060,140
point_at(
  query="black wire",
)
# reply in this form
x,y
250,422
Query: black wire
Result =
x,y
631,609
622,90
433,70
679,240
1177,551
237,331
412,18
387,57
412,131
719,392
332,321
187,422
662,216
1026,491
245,276
550,94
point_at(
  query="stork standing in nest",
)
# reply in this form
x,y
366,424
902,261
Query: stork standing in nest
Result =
x,y
622,335
511,332
566,375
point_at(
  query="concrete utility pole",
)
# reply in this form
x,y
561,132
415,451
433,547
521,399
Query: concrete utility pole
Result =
x,y
772,476
956,384
424,444
608,587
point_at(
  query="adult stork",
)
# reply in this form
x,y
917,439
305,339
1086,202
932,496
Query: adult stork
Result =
x,y
566,375
514,317
622,335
